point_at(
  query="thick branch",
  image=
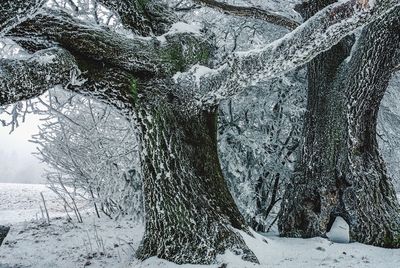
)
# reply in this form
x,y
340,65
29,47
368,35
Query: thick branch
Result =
x,y
28,77
143,57
112,86
12,11
252,12
94,42
324,30
142,17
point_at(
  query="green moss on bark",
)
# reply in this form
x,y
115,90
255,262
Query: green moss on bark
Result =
x,y
185,52
391,241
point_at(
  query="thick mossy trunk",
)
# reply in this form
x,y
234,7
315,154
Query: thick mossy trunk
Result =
x,y
190,214
340,172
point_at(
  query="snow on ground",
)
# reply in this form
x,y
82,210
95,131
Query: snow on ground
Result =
x,y
22,202
109,243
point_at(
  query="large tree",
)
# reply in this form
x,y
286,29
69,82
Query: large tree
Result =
x,y
340,171
190,214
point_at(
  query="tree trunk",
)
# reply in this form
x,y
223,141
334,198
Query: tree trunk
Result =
x,y
340,172
190,214
313,194
370,200
3,233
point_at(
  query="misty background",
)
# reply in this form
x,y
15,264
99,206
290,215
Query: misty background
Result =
x,y
17,164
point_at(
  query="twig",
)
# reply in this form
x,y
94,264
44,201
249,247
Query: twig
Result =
x,y
45,208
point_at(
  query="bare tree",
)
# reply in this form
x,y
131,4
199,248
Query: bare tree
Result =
x,y
92,152
259,138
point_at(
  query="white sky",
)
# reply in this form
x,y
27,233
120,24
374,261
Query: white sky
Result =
x,y
17,164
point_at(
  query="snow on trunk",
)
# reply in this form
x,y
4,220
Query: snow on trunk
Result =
x,y
190,215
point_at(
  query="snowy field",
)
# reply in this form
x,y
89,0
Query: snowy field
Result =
x,y
22,202
109,243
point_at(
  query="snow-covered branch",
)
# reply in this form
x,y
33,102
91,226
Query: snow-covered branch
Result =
x,y
176,51
142,17
252,12
318,34
11,11
28,76
93,41
140,56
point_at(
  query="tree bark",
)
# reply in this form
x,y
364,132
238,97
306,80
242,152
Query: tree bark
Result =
x,y
143,17
340,172
3,233
190,214
30,76
253,12
370,201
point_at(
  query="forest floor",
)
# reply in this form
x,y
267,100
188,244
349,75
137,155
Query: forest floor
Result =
x,y
110,243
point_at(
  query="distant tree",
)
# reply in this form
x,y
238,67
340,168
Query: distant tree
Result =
x,y
162,83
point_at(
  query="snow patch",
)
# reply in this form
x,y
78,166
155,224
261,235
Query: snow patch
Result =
x,y
45,59
339,232
180,27
372,3
200,71
111,243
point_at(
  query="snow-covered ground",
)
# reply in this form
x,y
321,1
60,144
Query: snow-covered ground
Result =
x,y
109,243
22,202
